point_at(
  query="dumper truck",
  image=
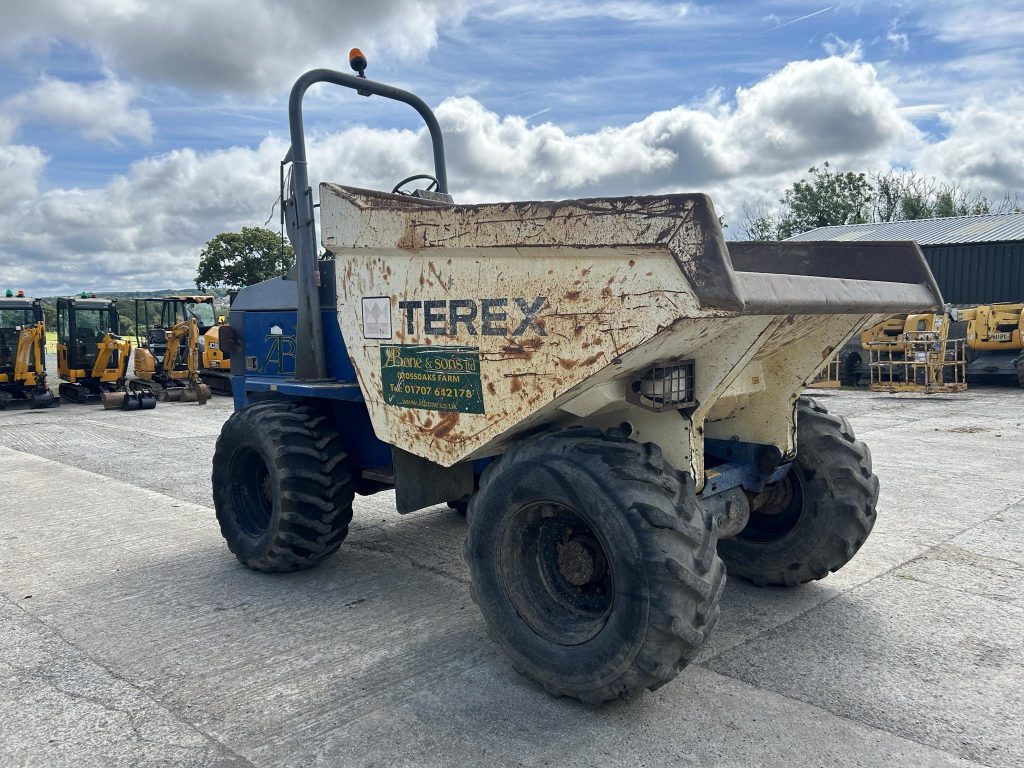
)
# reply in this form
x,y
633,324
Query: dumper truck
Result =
x,y
615,389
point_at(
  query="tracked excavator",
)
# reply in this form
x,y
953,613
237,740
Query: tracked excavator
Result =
x,y
23,354
92,356
167,354
213,364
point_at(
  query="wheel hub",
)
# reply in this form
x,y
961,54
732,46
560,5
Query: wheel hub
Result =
x,y
774,499
563,580
579,560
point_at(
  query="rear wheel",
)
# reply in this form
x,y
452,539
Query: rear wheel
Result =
x,y
282,486
459,506
813,521
849,368
593,564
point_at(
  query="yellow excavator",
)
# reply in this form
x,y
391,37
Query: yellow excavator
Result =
x,y
213,361
92,357
995,336
167,355
23,354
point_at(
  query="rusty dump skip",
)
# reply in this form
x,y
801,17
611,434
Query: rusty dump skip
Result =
x,y
468,324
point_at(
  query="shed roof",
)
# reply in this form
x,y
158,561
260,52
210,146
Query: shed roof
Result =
x,y
990,228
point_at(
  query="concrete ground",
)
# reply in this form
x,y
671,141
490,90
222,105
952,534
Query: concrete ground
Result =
x,y
129,636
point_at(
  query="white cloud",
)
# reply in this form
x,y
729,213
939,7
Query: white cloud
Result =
x,y
241,45
146,227
8,125
20,167
631,12
837,46
993,23
101,110
984,146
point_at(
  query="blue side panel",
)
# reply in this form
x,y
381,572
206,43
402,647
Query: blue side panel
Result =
x,y
270,339
269,349
352,420
327,390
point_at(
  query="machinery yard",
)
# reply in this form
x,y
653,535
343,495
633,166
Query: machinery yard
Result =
x,y
131,635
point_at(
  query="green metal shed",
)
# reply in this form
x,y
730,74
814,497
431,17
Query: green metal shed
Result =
x,y
975,259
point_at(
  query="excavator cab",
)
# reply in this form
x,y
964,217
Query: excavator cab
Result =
x,y
92,357
23,353
82,323
169,334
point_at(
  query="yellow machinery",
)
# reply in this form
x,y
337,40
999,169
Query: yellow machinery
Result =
x,y
828,377
995,336
913,353
92,358
167,356
23,354
156,317
905,352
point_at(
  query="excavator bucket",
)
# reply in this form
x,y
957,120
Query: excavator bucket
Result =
x,y
112,400
138,401
172,395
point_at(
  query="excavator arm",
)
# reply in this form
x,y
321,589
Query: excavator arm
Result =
x,y
186,332
110,344
30,344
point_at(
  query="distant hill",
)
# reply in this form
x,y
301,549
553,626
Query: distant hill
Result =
x,y
191,291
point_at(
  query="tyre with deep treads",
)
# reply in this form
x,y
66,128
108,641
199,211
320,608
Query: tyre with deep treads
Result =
x,y
282,486
593,563
1020,371
813,521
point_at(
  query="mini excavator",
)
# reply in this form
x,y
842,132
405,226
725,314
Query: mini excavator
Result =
x,y
23,354
167,356
92,357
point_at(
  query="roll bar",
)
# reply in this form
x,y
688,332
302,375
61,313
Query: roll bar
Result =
x,y
310,360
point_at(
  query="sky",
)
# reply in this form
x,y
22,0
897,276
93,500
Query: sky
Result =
x,y
133,131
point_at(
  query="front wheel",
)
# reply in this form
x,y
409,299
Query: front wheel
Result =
x,y
593,564
282,486
813,521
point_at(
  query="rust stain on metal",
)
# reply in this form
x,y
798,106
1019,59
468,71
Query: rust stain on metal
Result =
x,y
586,362
447,423
595,260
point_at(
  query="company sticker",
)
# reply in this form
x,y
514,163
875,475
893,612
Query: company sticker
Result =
x,y
376,317
432,378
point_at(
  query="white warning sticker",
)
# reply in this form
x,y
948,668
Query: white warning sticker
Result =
x,y
376,317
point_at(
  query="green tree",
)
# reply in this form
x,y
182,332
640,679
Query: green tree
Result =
x,y
901,195
824,199
828,197
233,260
